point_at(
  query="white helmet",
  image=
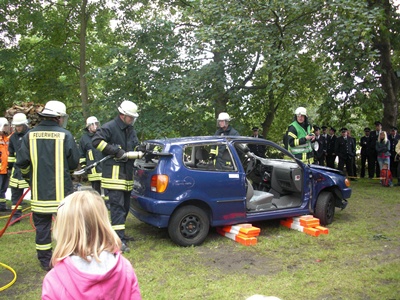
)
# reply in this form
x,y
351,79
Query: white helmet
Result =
x,y
54,108
300,111
92,120
128,108
3,123
223,117
19,119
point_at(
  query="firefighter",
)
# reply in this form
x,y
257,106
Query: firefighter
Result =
x,y
17,182
4,172
117,137
220,154
90,154
300,136
47,155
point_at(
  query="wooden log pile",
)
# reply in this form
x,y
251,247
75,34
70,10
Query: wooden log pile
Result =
x,y
30,109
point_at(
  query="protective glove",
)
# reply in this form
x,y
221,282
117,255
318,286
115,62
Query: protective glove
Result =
x,y
120,153
121,156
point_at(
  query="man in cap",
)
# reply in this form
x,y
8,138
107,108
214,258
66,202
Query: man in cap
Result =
x,y
17,182
300,136
256,148
4,176
330,148
117,137
374,166
365,156
47,156
394,139
345,149
320,150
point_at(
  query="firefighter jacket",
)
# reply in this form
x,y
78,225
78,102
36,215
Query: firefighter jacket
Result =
x,y
16,180
4,140
217,152
47,155
90,155
298,144
109,139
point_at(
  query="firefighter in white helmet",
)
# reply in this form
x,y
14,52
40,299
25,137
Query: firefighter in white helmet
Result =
x,y
17,182
118,137
4,172
222,159
300,136
89,154
47,156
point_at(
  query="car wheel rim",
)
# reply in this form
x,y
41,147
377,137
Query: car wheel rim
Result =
x,y
190,226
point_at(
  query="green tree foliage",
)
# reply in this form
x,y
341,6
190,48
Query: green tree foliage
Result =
x,y
183,62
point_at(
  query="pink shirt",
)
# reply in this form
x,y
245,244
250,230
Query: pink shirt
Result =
x,y
66,281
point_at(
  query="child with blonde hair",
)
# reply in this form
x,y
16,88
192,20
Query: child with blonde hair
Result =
x,y
87,263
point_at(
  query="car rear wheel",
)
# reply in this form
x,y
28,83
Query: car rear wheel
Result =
x,y
325,208
189,226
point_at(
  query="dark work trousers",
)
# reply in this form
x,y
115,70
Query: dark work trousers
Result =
x,y
43,237
96,185
398,173
393,167
330,161
16,193
372,162
364,159
119,207
348,161
4,180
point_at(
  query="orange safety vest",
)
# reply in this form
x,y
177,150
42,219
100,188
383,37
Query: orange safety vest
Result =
x,y
3,154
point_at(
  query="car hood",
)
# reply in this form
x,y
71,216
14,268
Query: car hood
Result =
x,y
317,167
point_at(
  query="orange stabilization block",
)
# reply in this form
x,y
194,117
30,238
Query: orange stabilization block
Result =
x,y
240,238
307,224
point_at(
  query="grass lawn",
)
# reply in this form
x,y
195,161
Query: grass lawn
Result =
x,y
358,259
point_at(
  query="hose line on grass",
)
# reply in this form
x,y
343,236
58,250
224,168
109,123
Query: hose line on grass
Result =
x,y
12,281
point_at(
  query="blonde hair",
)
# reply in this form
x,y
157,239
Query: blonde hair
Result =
x,y
385,139
82,228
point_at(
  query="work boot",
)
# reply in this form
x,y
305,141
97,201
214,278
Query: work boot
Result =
x,y
129,238
125,248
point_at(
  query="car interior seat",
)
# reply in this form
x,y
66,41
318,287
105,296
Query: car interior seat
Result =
x,y
201,156
257,200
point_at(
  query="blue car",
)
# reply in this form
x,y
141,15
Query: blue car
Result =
x,y
190,184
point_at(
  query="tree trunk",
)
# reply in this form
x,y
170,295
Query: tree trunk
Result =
x,y
389,82
82,62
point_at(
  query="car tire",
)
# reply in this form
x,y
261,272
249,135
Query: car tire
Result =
x,y
325,208
189,226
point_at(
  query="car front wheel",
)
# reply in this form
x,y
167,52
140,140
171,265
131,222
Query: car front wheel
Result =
x,y
189,226
325,208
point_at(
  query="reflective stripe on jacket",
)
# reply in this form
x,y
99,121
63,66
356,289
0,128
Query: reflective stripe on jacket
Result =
x,y
109,139
298,145
47,155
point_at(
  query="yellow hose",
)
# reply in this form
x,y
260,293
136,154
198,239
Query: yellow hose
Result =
x,y
12,281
